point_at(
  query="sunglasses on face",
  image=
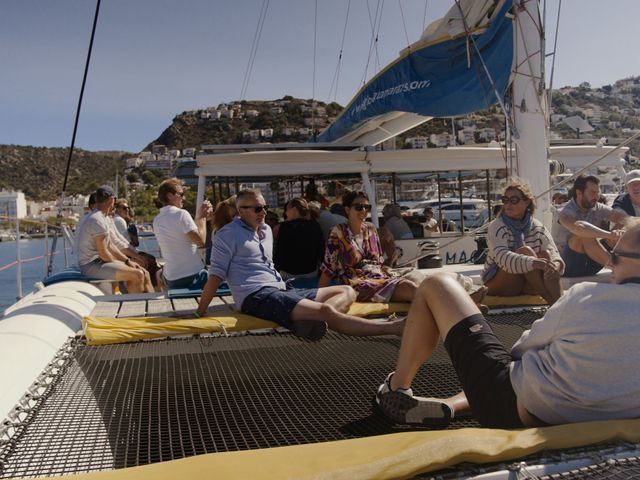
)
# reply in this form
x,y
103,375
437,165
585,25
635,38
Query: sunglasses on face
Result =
x,y
615,256
362,206
179,194
256,208
514,199
125,208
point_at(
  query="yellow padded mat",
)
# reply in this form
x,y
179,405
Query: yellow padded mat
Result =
x,y
105,331
518,300
400,455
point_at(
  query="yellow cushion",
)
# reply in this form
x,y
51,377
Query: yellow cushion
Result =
x,y
524,300
400,455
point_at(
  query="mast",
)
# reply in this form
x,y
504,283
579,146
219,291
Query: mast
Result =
x,y
530,104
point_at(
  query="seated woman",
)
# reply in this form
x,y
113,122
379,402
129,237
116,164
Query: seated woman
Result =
x,y
354,256
522,257
299,248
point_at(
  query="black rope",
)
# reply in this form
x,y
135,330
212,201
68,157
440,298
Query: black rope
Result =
x,y
73,138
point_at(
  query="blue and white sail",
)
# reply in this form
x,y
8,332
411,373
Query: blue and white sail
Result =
x,y
444,74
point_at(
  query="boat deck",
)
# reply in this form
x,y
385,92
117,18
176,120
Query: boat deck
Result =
x,y
147,305
123,405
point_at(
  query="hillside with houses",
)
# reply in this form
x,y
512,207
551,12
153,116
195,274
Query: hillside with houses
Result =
x,y
611,112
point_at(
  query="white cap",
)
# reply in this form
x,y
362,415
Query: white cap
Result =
x,y
632,176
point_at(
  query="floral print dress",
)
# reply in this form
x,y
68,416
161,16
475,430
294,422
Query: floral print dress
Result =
x,y
359,265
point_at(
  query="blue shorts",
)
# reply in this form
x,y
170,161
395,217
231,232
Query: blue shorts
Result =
x,y
271,303
195,282
578,264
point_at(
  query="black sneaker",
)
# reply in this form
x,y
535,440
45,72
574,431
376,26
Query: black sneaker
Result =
x,y
312,330
402,406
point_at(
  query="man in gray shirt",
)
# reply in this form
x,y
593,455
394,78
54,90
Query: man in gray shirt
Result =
x,y
580,231
242,255
97,255
579,363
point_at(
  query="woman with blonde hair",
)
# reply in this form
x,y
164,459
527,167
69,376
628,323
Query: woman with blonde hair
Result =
x,y
522,257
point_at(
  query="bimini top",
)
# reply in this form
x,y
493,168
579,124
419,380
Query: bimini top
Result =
x,y
444,74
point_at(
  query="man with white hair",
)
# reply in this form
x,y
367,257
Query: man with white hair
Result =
x,y
629,201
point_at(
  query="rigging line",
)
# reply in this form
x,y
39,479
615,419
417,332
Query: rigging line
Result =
x,y
250,60
424,15
75,130
553,62
372,43
313,82
377,36
336,75
404,25
254,48
484,66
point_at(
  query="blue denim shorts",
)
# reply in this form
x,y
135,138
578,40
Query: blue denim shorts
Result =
x,y
578,264
271,303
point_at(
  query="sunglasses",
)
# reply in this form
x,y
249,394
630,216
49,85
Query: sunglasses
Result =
x,y
514,199
615,256
362,206
257,208
125,208
179,194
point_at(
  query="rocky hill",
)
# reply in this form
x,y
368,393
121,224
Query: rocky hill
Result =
x,y
612,111
39,171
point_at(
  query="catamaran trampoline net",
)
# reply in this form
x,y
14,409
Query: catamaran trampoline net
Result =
x,y
126,405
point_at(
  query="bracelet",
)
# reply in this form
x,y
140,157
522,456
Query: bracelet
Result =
x,y
196,314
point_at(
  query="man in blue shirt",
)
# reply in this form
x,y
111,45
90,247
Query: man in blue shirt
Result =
x,y
242,254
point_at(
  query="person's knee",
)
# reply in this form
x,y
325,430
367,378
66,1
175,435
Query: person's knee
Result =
x,y
328,312
576,244
349,293
526,250
438,286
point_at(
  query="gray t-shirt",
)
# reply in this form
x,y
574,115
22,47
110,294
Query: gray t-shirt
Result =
x,y
93,225
580,362
597,216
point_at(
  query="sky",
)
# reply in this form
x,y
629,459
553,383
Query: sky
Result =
x,y
153,59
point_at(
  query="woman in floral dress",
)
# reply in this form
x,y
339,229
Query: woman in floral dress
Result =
x,y
354,257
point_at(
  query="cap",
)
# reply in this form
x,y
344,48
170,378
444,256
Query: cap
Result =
x,y
632,176
103,193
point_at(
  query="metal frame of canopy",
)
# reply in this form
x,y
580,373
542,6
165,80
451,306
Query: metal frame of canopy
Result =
x,y
297,159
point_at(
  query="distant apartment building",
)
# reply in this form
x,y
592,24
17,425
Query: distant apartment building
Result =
x,y
304,131
287,131
229,114
315,121
266,133
442,139
204,115
161,162
466,136
158,149
277,110
417,142
487,134
12,204
613,125
306,109
134,162
189,152
251,113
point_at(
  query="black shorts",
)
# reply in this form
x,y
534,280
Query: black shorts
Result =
x,y
482,364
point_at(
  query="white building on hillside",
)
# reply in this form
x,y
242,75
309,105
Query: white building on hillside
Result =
x,y
12,204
